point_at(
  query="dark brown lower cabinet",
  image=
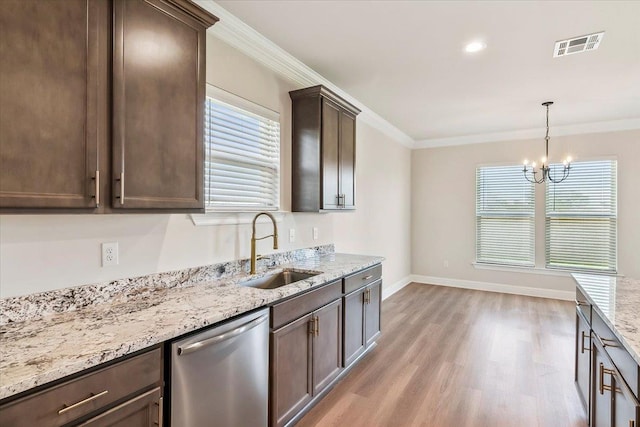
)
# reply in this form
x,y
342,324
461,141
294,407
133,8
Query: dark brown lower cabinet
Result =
x,y
613,403
583,359
361,320
141,411
136,381
306,356
327,345
354,342
372,308
291,386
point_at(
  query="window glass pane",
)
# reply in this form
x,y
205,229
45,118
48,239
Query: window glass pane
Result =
x,y
242,161
505,208
581,218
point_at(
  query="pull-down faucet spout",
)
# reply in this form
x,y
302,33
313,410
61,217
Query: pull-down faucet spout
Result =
x,y
254,239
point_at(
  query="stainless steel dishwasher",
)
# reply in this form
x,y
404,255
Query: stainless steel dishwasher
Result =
x,y
220,377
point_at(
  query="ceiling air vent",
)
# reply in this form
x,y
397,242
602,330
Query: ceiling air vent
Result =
x,y
577,44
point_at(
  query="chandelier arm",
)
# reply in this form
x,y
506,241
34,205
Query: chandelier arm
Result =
x,y
565,174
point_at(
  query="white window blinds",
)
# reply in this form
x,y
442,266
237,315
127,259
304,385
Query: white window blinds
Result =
x,y
242,159
505,216
581,218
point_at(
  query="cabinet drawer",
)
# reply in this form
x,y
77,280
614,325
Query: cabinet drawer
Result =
x,y
362,278
583,305
628,368
73,399
293,308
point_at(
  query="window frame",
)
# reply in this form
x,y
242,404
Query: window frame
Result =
x,y
236,102
610,216
530,215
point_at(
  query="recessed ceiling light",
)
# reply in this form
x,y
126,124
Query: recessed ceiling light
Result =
x,y
475,46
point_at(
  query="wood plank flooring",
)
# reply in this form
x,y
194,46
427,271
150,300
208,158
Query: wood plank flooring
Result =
x,y
461,358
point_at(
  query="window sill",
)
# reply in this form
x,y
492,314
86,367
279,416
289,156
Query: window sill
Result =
x,y
233,218
538,270
529,270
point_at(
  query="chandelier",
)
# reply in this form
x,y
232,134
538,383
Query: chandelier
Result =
x,y
531,172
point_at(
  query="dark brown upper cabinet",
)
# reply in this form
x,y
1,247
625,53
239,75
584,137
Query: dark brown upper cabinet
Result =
x,y
158,105
73,135
53,102
323,151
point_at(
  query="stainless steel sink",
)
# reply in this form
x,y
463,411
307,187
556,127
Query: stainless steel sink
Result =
x,y
276,280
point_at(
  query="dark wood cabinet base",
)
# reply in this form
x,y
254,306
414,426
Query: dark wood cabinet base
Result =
x,y
313,402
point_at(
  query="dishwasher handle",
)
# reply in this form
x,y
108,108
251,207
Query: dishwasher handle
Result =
x,y
190,348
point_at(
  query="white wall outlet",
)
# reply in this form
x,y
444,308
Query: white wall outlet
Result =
x,y
315,233
446,263
109,254
292,235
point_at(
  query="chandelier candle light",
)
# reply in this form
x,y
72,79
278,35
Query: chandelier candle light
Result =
x,y
530,172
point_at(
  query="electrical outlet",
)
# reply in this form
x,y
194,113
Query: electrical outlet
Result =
x,y
109,254
292,235
315,233
446,263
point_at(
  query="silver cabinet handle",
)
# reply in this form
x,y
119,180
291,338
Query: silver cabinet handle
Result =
x,y
190,348
367,277
82,402
97,191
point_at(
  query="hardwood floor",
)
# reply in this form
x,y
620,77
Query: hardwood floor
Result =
x,y
460,358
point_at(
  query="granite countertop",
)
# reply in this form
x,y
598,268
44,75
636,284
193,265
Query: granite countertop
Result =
x,y
41,350
617,301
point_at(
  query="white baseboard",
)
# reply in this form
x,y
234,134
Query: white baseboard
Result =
x,y
387,291
495,287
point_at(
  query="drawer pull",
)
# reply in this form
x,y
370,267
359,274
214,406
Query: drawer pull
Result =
x,y
582,350
606,342
581,303
82,402
367,277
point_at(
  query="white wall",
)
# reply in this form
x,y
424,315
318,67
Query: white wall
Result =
x,y
443,205
45,252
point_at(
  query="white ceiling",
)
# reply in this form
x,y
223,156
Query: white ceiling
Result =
x,y
404,59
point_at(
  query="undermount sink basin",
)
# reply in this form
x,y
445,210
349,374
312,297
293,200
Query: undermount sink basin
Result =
x,y
276,280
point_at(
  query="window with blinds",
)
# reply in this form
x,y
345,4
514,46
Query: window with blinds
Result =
x,y
505,216
581,218
242,154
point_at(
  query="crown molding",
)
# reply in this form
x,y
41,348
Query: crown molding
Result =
x,y
579,129
241,36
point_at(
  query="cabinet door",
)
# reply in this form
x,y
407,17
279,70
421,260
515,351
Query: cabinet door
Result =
x,y
601,396
583,358
372,312
141,411
353,326
291,387
347,160
330,154
158,107
327,345
53,74
626,410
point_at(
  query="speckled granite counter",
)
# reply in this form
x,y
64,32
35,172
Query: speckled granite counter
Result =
x,y
617,302
38,351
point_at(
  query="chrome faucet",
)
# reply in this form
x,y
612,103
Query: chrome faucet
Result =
x,y
254,258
